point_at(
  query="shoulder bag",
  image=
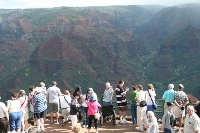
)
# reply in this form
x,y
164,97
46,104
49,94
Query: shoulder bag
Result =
x,y
143,103
154,105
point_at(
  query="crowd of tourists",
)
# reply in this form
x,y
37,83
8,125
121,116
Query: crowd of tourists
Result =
x,y
14,114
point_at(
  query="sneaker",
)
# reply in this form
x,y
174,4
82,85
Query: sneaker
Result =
x,y
177,130
37,130
34,123
63,121
42,128
83,126
125,121
121,121
86,125
139,129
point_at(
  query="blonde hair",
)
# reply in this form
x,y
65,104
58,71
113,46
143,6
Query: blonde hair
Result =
x,y
150,86
22,92
77,128
66,92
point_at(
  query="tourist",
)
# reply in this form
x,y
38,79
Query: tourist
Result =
x,y
141,108
65,102
4,118
197,109
53,94
23,98
150,93
77,91
133,94
152,124
121,101
39,108
168,119
30,97
15,114
84,108
74,109
180,101
108,94
93,93
93,107
44,91
192,121
168,95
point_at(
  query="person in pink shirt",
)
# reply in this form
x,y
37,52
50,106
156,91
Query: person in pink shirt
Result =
x,y
23,98
93,107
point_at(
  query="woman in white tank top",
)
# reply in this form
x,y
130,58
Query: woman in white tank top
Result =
x,y
15,114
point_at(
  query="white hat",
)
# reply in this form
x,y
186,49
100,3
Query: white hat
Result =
x,y
38,89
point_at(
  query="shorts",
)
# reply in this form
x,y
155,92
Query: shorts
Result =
x,y
25,115
178,112
124,108
54,107
39,115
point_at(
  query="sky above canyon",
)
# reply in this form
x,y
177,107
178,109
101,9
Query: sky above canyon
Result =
x,y
16,4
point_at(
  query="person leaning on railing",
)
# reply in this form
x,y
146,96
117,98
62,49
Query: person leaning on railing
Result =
x,y
168,95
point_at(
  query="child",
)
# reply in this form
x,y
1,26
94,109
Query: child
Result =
x,y
74,109
93,106
168,119
152,124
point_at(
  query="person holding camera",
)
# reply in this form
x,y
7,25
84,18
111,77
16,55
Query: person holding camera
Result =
x,y
180,101
121,101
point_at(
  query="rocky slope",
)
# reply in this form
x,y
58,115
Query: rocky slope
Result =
x,y
92,45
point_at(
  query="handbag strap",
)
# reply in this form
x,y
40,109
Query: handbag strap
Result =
x,y
24,101
65,99
150,96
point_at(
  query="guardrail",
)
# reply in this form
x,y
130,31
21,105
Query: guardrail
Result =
x,y
158,112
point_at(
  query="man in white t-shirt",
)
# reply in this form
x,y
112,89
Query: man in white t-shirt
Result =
x,y
53,94
108,94
65,102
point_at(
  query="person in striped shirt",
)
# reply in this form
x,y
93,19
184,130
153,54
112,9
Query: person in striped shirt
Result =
x,y
121,101
39,108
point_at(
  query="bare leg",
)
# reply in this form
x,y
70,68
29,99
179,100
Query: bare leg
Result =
x,y
57,116
26,124
180,121
120,114
51,115
124,114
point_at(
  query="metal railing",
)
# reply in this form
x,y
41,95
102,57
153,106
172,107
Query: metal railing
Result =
x,y
158,112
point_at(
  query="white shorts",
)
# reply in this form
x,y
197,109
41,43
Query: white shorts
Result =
x,y
178,112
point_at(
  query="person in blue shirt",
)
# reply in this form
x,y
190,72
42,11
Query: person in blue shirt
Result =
x,y
168,95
